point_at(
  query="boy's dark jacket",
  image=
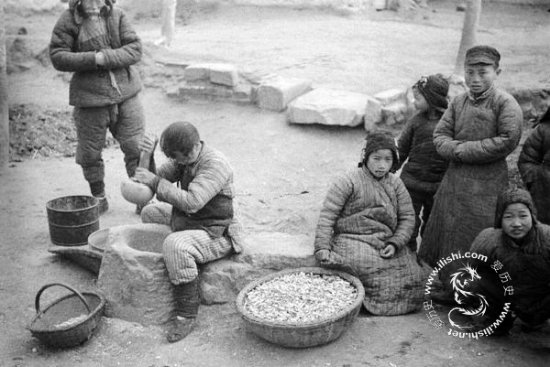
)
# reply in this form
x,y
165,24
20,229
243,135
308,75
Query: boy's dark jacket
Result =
x,y
425,168
92,86
534,167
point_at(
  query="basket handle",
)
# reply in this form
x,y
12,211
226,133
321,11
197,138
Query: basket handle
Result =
x,y
37,299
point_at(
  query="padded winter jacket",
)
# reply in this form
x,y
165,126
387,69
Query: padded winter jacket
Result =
x,y
93,85
534,167
425,168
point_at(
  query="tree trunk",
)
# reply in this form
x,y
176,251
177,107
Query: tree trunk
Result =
x,y
168,21
469,32
4,116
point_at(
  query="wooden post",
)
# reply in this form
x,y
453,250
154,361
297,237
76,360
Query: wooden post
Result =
x,y
469,33
4,108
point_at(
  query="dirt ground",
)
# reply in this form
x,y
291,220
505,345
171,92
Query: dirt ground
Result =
x,y
281,174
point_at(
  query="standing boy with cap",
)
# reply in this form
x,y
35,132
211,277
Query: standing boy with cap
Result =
x,y
199,211
425,168
476,133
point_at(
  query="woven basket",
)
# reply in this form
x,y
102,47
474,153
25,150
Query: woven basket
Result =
x,y
45,325
304,335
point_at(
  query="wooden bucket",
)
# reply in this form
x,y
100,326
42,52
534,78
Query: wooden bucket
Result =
x,y
72,219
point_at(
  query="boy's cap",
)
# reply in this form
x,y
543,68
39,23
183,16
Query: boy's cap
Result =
x,y
486,55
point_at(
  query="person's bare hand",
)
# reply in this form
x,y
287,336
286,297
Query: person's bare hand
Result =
x,y
99,58
323,256
148,143
145,176
388,251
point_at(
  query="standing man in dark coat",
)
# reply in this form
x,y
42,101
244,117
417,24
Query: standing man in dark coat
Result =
x,y
94,40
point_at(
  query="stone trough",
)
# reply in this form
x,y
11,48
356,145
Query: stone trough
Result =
x,y
135,281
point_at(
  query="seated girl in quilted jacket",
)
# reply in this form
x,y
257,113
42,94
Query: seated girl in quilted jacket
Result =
x,y
364,226
518,247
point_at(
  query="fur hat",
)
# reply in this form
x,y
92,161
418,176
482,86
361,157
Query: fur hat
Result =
x,y
513,196
379,139
434,88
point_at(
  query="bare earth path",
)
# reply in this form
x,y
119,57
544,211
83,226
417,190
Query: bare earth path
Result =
x,y
281,175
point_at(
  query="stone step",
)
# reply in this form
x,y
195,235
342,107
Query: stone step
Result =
x,y
217,73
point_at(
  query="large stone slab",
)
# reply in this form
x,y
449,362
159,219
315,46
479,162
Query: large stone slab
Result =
x,y
263,253
391,96
328,107
274,93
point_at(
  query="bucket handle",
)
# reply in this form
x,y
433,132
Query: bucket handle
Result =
x,y
37,299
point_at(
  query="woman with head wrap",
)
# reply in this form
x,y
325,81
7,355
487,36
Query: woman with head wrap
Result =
x,y
518,247
364,226
425,168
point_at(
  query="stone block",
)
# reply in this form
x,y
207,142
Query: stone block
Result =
x,y
197,72
373,113
392,96
277,250
276,92
133,276
328,107
224,74
395,114
534,102
263,253
457,86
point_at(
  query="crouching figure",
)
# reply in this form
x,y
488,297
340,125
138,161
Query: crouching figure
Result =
x,y
199,211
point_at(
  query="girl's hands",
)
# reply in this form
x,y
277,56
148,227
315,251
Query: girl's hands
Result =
x,y
323,256
388,251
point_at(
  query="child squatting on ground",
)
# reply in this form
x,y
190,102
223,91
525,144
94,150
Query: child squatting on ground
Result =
x,y
425,168
199,210
94,40
479,129
522,245
534,167
364,226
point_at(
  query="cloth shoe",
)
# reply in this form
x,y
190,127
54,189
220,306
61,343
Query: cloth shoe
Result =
x,y
103,204
180,328
187,300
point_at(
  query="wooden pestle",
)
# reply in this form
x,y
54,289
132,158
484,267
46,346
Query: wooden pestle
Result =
x,y
145,157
